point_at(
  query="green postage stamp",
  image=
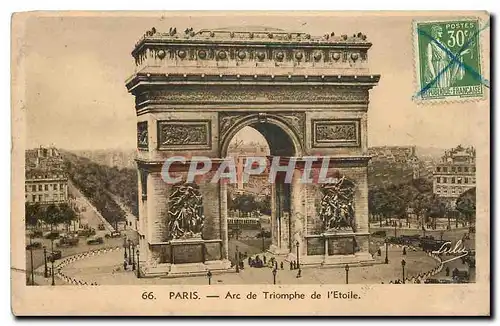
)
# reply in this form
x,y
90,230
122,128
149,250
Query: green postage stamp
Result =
x,y
448,59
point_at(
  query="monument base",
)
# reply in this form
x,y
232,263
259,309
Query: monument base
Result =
x,y
277,251
188,269
186,257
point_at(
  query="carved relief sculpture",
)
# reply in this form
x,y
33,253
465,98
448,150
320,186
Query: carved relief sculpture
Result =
x,y
142,135
185,215
336,133
337,205
176,133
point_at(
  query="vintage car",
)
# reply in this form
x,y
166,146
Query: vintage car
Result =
x,y
67,242
34,245
54,255
51,235
86,232
35,233
413,239
93,240
429,245
114,234
379,234
101,227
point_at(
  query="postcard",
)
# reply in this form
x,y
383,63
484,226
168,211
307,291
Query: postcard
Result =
x,y
250,163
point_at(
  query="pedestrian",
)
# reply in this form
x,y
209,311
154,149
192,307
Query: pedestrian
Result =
x,y
249,261
379,252
404,251
291,266
299,273
265,260
281,265
124,265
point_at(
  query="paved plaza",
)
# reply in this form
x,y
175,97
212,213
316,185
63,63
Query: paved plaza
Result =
x,y
107,269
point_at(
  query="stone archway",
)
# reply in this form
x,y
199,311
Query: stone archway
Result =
x,y
307,95
284,143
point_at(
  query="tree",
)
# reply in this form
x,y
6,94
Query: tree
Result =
x,y
437,209
31,214
466,204
265,205
245,203
67,215
51,216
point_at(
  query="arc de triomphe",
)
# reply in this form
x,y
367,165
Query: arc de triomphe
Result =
x,y
308,96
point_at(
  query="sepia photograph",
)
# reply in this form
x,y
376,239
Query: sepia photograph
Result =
x,y
256,156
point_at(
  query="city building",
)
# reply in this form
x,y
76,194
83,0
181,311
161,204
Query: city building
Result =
x,y
455,174
46,182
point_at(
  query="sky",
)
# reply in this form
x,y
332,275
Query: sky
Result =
x,y
76,69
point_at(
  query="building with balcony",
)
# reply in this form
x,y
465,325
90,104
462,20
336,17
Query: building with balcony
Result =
x,y
455,174
45,179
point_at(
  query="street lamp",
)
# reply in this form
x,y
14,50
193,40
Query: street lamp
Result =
x,y
386,251
395,229
125,247
403,263
138,269
32,267
263,244
209,276
45,271
52,268
130,253
347,274
298,257
133,257
275,271
237,260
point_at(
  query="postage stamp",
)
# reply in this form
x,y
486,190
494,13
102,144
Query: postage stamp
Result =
x,y
448,59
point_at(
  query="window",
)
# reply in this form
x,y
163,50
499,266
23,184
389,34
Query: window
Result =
x,y
39,197
33,188
438,180
445,191
55,186
466,169
453,169
46,197
438,169
46,187
40,188
61,196
445,179
466,180
445,169
438,191
453,180
453,190
459,180
474,169
61,186
33,198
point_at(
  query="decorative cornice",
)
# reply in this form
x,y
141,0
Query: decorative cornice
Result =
x,y
265,49
158,79
334,161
